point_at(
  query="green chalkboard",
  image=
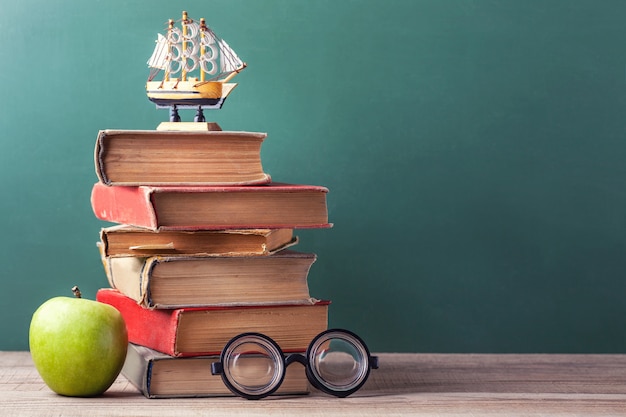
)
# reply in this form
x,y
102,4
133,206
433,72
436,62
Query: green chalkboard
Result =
x,y
474,151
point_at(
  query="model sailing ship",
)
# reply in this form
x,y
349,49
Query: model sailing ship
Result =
x,y
196,67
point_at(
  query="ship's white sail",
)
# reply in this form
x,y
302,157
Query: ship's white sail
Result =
x,y
158,60
230,61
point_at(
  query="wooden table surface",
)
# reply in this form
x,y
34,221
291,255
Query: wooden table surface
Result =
x,y
406,384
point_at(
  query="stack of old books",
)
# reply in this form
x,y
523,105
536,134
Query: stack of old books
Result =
x,y
202,251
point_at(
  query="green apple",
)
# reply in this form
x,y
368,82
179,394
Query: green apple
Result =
x,y
78,346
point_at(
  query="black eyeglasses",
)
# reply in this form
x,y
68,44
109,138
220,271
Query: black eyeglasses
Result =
x,y
253,366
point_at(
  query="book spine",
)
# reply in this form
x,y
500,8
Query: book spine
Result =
x,y
127,205
152,328
137,369
131,276
98,160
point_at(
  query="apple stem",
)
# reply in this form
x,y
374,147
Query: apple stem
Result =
x,y
76,291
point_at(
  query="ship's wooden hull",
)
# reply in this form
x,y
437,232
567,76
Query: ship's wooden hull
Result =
x,y
188,93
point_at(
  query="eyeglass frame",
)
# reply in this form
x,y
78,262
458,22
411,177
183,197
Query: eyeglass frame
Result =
x,y
288,359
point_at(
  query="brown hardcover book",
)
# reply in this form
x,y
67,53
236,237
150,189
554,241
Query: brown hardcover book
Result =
x,y
124,240
206,330
175,282
157,375
152,157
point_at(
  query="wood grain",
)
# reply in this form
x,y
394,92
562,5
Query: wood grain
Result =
x,y
406,384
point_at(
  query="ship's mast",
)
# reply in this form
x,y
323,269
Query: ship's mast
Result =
x,y
183,75
202,48
166,76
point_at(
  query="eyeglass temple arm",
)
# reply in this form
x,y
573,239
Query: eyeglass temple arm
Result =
x,y
217,368
374,362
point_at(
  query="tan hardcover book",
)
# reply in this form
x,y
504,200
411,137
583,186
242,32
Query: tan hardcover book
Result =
x,y
174,282
153,157
124,240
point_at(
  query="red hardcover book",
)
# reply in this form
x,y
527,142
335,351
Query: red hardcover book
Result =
x,y
206,330
271,206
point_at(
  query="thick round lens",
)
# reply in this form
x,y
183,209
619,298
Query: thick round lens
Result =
x,y
339,361
254,366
